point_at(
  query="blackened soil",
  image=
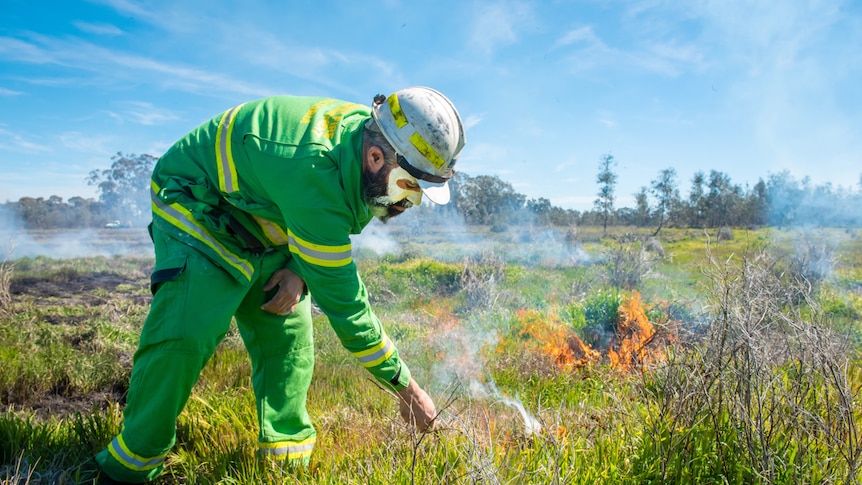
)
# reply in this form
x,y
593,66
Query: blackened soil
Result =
x,y
80,287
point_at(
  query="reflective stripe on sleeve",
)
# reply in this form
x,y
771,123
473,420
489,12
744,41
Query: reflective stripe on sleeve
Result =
x,y
318,254
227,179
180,217
377,354
122,454
273,232
427,150
287,450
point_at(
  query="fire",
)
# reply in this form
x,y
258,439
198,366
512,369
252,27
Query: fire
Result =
x,y
635,332
555,340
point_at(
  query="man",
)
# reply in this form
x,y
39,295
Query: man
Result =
x,y
252,213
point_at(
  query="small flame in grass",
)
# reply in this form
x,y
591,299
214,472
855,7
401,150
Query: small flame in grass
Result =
x,y
635,332
557,341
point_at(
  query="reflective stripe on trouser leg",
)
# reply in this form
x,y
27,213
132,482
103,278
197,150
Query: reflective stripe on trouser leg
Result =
x,y
282,356
189,315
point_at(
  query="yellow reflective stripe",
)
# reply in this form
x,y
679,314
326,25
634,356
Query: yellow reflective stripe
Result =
x,y
425,149
180,217
272,231
397,114
329,256
377,354
122,454
227,179
288,450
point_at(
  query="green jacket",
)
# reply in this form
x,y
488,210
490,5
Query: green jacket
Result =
x,y
287,170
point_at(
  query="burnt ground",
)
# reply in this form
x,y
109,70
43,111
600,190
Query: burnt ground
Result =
x,y
80,288
71,288
59,406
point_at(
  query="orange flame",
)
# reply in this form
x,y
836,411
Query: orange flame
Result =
x,y
635,332
555,340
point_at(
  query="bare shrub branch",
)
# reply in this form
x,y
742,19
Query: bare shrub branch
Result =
x,y
7,269
767,381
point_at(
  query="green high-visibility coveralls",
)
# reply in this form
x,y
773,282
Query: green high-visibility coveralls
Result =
x,y
268,184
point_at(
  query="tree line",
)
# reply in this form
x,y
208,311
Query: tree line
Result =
x,y
712,200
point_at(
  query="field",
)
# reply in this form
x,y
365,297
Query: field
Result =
x,y
554,357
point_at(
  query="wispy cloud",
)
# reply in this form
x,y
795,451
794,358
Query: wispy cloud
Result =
x,y
564,166
87,143
9,92
17,50
496,25
132,9
98,29
145,113
118,66
14,142
483,157
587,51
472,120
583,34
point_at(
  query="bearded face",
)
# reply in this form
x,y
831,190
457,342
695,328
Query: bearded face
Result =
x,y
390,192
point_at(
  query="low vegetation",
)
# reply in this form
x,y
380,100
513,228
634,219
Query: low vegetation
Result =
x,y
564,357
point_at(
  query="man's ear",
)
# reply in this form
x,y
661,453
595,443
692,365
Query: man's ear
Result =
x,y
374,159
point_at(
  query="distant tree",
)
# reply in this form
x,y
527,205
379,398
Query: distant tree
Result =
x,y
541,208
721,200
757,205
607,180
642,208
666,193
455,194
697,201
33,212
125,187
562,217
486,199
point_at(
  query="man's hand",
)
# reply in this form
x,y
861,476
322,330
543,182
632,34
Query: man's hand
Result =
x,y
290,290
416,406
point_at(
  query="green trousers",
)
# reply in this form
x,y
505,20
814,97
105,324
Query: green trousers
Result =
x,y
193,302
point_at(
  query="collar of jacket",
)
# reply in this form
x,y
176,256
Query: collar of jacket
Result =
x,y
348,156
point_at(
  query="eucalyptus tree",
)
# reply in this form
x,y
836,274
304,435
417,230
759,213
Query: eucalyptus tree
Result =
x,y
607,180
666,193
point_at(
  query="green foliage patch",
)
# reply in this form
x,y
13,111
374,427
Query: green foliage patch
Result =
x,y
508,412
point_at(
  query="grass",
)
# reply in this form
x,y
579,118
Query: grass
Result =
x,y
508,412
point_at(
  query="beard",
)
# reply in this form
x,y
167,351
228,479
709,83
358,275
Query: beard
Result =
x,y
375,191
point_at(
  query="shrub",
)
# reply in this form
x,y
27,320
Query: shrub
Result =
x,y
725,234
600,316
415,277
628,263
480,277
763,397
7,268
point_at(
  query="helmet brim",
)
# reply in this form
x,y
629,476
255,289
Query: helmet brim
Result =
x,y
436,193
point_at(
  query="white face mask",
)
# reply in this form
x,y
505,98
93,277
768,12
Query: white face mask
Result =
x,y
401,186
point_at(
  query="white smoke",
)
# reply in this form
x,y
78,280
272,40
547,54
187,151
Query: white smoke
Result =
x,y
462,364
68,243
375,237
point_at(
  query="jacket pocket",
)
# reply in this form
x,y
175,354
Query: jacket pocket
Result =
x,y
169,269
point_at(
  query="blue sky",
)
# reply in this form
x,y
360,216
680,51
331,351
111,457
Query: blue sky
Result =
x,y
747,87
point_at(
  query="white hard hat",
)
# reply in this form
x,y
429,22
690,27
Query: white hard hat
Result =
x,y
425,130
